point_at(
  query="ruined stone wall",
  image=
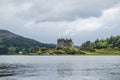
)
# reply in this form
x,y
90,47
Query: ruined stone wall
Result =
x,y
65,43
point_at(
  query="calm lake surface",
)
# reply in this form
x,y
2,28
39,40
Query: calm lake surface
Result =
x,y
59,67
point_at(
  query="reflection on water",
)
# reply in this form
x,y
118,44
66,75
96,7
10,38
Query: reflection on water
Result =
x,y
12,69
59,68
6,70
64,70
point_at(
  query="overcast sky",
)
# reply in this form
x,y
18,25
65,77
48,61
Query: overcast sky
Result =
x,y
47,20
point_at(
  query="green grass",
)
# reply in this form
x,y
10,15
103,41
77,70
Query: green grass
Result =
x,y
103,52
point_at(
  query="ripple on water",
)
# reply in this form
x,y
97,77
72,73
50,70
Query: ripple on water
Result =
x,y
67,68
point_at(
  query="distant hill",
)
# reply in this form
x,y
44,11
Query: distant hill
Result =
x,y
16,42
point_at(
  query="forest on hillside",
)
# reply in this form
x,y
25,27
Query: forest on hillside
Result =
x,y
11,44
109,43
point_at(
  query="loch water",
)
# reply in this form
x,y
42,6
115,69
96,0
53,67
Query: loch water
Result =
x,y
59,67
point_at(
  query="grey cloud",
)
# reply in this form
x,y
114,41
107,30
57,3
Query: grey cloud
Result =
x,y
54,10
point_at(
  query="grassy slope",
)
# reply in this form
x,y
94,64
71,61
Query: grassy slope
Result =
x,y
103,52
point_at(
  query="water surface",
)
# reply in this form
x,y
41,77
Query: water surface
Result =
x,y
59,67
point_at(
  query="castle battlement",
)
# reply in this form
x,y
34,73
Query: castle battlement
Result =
x,y
65,42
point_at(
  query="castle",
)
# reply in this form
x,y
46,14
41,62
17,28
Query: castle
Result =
x,y
65,43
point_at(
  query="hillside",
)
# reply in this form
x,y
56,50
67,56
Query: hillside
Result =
x,y
15,43
105,46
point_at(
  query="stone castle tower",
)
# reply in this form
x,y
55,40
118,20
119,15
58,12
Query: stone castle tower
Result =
x,y
65,43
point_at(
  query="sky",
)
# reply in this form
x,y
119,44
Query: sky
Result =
x,y
48,20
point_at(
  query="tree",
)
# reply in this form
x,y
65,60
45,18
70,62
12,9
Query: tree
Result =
x,y
3,50
12,50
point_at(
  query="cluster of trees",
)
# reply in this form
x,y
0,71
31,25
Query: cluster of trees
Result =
x,y
59,51
112,42
16,50
4,50
18,46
